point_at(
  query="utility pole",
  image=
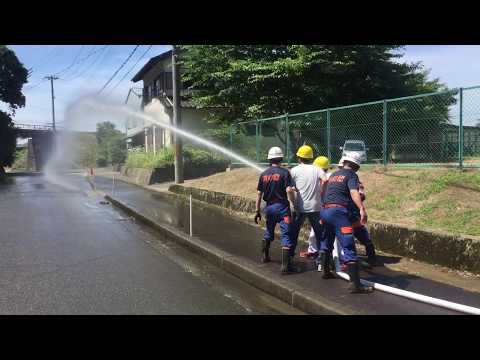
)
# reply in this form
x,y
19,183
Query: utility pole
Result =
x,y
177,119
51,78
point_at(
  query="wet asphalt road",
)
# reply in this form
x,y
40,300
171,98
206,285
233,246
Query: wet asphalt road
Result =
x,y
215,227
62,252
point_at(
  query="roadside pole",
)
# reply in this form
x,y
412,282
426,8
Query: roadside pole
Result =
x,y
177,119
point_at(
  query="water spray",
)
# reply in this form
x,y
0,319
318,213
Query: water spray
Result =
x,y
149,119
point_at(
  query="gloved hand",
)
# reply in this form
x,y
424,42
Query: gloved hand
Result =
x,y
257,217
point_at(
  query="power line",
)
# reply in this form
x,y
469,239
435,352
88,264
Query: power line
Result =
x,y
35,85
47,57
74,60
131,69
120,68
81,60
90,54
89,67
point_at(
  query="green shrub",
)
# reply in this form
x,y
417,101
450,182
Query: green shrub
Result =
x,y
202,157
20,162
138,158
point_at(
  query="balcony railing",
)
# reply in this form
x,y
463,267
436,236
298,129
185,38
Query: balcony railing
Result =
x,y
158,93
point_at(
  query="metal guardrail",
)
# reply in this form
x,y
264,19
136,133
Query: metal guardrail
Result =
x,y
35,127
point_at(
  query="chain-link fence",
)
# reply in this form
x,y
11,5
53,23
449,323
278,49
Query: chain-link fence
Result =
x,y
438,129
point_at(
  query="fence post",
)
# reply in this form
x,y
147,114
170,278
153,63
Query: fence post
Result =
x,y
287,140
257,140
329,141
460,132
231,136
385,138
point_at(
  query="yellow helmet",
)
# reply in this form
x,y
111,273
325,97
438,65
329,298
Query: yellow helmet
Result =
x,y
305,152
322,162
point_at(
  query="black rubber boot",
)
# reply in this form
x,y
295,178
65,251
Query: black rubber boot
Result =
x,y
356,286
265,251
326,261
364,264
332,263
372,257
287,267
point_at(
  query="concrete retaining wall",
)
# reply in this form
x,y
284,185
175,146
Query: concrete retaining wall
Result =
x,y
167,173
236,203
139,176
453,251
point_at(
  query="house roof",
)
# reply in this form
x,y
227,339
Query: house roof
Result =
x,y
150,64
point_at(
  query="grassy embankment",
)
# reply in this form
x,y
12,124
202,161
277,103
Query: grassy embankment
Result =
x,y
434,199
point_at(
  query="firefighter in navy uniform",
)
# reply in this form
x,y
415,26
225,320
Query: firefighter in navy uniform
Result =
x,y
276,186
360,231
341,194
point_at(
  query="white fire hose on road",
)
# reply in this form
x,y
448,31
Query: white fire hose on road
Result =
x,y
407,294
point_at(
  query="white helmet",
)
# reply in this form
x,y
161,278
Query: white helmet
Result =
x,y
275,153
340,163
353,157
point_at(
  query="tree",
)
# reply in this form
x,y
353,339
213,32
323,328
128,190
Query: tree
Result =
x,y
86,151
12,77
118,150
251,82
111,145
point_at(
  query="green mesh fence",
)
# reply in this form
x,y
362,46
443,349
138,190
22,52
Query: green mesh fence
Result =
x,y
271,132
423,129
441,129
471,127
309,128
363,124
243,139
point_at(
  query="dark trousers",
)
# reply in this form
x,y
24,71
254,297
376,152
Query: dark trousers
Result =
x,y
314,220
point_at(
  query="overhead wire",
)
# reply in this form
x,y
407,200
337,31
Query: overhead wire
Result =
x,y
92,52
120,68
73,62
131,69
91,66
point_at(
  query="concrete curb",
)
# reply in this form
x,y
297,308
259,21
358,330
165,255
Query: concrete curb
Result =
x,y
25,173
454,251
243,268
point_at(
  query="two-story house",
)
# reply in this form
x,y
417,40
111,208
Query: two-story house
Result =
x,y
157,98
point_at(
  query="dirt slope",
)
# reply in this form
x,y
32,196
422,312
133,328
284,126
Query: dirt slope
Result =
x,y
436,199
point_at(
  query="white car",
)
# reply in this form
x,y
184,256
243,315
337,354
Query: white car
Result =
x,y
357,146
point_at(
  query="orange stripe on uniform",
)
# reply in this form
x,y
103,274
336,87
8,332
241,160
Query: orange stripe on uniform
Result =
x,y
346,230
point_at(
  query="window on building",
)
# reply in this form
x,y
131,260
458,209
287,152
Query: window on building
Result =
x,y
168,80
161,81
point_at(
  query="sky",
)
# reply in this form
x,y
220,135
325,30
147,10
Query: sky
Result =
x,y
84,69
